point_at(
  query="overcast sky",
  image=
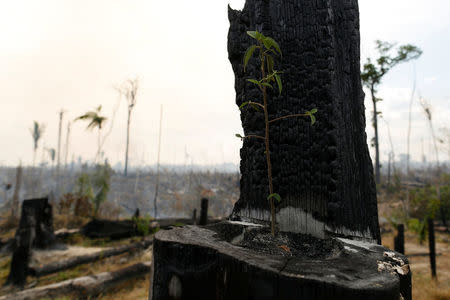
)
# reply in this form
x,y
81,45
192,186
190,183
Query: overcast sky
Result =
x,y
69,54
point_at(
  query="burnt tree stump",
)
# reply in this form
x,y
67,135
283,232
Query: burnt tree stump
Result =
x,y
399,239
432,247
327,246
203,212
35,229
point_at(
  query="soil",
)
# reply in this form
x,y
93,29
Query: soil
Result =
x,y
290,244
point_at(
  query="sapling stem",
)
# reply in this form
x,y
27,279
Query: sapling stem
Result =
x,y
271,76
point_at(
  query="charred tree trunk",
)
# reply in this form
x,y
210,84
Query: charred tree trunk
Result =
x,y
399,240
323,172
203,212
432,247
35,229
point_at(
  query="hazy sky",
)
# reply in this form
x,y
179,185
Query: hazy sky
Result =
x,y
69,54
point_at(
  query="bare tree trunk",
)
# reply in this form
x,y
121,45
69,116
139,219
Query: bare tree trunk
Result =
x,y
409,125
66,150
438,184
125,172
389,170
375,127
58,156
99,147
157,166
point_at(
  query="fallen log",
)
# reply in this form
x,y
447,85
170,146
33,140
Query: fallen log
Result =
x,y
109,229
83,287
65,233
71,262
7,245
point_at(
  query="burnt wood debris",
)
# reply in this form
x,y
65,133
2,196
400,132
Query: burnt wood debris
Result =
x,y
327,246
35,230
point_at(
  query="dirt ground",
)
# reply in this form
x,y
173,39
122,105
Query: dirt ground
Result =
x,y
424,288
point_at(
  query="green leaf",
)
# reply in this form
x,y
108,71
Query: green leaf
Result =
x,y
256,35
239,136
254,81
243,104
248,55
274,195
252,34
266,84
270,42
280,86
311,115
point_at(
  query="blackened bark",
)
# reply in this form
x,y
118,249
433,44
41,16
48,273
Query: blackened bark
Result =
x,y
323,172
35,229
399,240
432,246
203,212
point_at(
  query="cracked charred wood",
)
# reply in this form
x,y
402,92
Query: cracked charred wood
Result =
x,y
323,173
232,260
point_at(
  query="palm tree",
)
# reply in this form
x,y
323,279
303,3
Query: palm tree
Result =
x,y
36,132
95,121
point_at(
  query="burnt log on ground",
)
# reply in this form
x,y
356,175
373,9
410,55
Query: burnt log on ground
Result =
x,y
35,229
83,287
7,245
109,229
234,260
71,262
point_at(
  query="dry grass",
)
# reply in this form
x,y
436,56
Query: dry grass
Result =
x,y
104,265
425,288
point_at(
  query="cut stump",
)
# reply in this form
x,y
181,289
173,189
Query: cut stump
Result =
x,y
235,260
